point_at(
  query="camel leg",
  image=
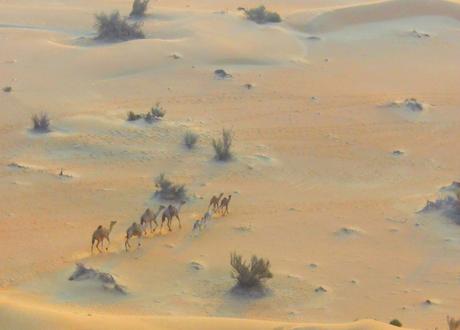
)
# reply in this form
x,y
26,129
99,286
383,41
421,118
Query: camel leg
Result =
x,y
127,246
108,243
178,219
169,224
156,225
92,246
97,246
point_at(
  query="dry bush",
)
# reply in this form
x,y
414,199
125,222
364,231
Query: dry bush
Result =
x,y
453,323
134,116
167,190
252,274
261,15
41,123
396,323
190,139
139,8
156,113
113,27
222,147
7,89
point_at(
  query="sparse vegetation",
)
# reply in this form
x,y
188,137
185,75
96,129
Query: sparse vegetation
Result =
x,y
453,323
7,89
261,15
134,116
250,274
167,190
222,147
139,8
190,139
156,113
396,323
113,27
41,123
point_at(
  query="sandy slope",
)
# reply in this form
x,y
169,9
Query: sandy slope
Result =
x,y
315,181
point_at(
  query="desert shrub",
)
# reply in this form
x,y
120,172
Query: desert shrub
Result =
x,y
261,15
156,113
252,274
190,139
167,190
453,324
41,123
396,323
222,147
7,89
139,8
134,116
113,27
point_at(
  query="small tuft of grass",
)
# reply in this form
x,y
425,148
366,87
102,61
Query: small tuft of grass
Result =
x,y
190,139
113,27
261,15
222,147
396,323
41,123
133,116
139,8
251,274
7,89
168,190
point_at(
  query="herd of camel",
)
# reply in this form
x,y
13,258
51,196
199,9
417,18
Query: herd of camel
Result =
x,y
217,204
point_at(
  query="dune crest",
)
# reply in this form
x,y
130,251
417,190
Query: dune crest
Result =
x,y
377,12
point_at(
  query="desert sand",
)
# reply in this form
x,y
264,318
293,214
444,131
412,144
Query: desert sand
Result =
x,y
330,166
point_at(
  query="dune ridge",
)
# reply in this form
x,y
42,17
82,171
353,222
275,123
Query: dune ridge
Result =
x,y
337,19
19,313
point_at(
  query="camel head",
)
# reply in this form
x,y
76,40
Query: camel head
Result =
x,y
113,223
161,207
220,196
182,202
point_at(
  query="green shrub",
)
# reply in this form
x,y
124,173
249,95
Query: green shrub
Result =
x,y
250,275
115,28
396,323
41,123
167,190
261,15
139,8
190,139
222,147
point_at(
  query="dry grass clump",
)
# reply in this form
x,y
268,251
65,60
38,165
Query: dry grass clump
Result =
x,y
139,8
113,27
222,147
190,139
155,114
261,15
251,274
168,190
41,123
453,323
7,89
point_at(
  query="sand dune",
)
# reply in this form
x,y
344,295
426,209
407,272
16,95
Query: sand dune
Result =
x,y
18,314
383,11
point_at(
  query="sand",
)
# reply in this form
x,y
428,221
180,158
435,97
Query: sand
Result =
x,y
316,187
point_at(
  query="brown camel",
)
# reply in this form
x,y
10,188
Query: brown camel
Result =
x,y
149,216
134,230
225,202
169,213
100,234
214,202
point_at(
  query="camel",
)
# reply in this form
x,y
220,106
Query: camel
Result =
x,y
224,204
134,230
169,213
100,234
214,202
149,216
199,225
